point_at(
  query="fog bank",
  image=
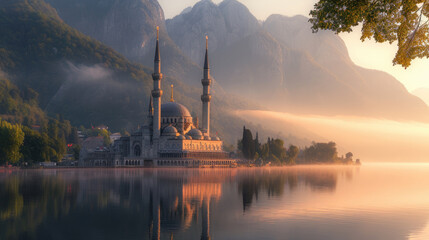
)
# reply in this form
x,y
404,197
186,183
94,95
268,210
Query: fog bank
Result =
x,y
371,140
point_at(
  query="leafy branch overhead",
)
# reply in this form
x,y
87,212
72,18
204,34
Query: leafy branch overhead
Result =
x,y
401,21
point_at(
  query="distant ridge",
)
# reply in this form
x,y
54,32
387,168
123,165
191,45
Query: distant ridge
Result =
x,y
285,66
88,82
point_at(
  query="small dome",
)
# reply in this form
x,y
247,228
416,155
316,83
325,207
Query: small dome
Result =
x,y
169,131
195,134
181,137
173,109
215,138
188,137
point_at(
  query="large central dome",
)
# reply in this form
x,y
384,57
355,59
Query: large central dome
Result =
x,y
173,109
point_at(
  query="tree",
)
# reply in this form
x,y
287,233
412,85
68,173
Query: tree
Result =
x,y
248,144
74,136
321,152
35,147
76,151
53,129
257,145
292,154
403,21
277,149
349,155
11,139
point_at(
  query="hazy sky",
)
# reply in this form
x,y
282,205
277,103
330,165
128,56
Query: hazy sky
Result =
x,y
368,54
374,140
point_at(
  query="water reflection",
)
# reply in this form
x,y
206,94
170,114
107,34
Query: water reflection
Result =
x,y
274,181
143,202
267,203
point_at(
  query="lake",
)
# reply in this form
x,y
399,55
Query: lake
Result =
x,y
373,201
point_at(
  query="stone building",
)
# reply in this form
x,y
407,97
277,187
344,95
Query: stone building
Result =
x,y
170,136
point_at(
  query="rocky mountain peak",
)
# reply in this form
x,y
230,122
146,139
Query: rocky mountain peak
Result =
x,y
113,20
225,24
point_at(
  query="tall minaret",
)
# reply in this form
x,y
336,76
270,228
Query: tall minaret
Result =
x,y
157,92
206,97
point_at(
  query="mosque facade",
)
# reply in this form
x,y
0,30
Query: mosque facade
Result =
x,y
170,137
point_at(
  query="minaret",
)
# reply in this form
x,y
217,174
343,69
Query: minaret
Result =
x,y
206,97
157,92
150,119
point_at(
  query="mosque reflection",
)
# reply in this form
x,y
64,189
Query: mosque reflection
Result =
x,y
136,203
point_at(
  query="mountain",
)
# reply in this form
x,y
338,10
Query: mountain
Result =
x,y
129,28
74,75
283,65
84,80
42,53
225,24
422,93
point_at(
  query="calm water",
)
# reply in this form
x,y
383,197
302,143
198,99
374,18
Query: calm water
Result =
x,y
374,201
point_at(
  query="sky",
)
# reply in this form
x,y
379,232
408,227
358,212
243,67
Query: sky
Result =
x,y
367,54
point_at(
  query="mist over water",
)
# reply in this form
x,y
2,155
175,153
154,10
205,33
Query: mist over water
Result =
x,y
371,140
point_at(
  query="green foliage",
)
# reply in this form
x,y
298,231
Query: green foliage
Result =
x,y
321,153
272,151
95,132
36,147
47,145
76,151
277,149
17,105
21,106
385,20
292,154
11,139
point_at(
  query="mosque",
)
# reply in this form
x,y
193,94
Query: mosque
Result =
x,y
171,137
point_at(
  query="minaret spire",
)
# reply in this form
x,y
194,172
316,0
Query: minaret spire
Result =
x,y
206,97
172,99
157,91
157,67
206,60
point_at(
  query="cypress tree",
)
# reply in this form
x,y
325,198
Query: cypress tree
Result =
x,y
248,144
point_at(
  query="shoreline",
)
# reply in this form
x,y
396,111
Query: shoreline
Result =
x,y
2,169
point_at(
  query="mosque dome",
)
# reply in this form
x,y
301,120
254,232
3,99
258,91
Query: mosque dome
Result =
x,y
188,137
173,109
169,131
195,134
181,137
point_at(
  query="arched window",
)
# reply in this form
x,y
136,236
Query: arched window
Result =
x,y
137,151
